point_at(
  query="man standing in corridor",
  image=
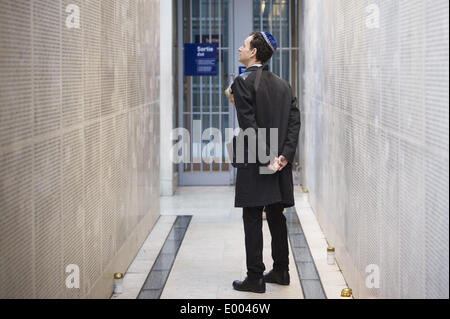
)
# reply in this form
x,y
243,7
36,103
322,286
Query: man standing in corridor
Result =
x,y
263,100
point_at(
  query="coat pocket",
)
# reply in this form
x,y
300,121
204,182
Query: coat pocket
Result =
x,y
231,150
243,181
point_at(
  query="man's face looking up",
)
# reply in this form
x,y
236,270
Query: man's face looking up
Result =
x,y
246,54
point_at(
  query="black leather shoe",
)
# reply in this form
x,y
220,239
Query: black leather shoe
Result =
x,y
277,277
251,285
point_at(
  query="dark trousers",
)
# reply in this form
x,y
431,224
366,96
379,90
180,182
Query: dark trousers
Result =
x,y
254,239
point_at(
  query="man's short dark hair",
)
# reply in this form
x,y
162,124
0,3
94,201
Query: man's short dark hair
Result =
x,y
263,50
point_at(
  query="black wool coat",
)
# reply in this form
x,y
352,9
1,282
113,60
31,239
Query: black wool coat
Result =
x,y
272,105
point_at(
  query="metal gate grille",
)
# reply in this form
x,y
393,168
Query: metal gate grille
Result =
x,y
202,99
206,21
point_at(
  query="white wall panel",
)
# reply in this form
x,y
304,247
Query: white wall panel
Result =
x,y
375,153
79,170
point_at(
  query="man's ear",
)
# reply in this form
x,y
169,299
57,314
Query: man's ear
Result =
x,y
253,53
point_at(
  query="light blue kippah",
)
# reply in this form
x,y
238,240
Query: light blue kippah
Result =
x,y
270,40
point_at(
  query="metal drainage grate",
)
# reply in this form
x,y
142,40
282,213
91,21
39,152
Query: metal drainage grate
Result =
x,y
306,268
156,280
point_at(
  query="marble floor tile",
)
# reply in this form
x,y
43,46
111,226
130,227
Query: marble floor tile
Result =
x,y
212,256
138,270
212,251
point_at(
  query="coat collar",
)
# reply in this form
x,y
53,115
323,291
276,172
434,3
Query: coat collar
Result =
x,y
254,68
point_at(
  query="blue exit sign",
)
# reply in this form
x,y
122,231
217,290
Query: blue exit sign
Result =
x,y
200,59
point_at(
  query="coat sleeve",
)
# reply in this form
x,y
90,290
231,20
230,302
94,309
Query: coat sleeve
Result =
x,y
243,97
290,144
